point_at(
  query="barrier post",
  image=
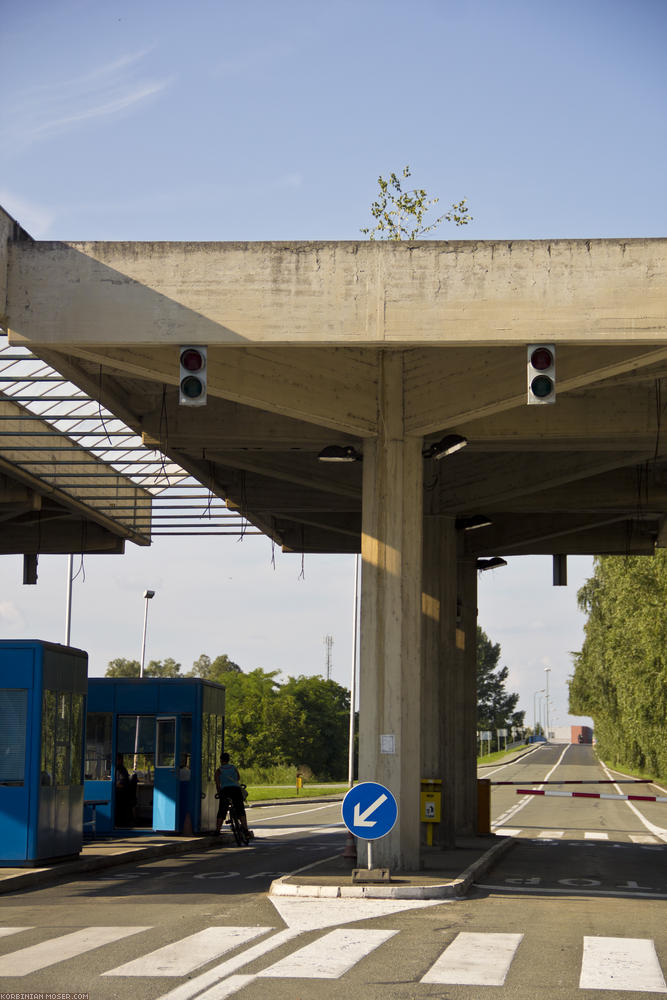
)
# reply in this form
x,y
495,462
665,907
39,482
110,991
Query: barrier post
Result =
x,y
483,806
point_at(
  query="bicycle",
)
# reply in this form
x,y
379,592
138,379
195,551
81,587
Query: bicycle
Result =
x,y
234,820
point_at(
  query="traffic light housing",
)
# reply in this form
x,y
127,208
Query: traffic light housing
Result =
x,y
541,386
192,381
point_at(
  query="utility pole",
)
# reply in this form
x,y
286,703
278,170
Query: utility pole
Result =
x,y
328,643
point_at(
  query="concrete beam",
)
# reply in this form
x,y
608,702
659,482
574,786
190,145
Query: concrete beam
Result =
x,y
355,293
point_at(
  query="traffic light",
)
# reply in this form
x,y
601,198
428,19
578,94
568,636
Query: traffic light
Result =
x,y
541,386
192,382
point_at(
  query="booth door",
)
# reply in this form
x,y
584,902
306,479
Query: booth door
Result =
x,y
166,790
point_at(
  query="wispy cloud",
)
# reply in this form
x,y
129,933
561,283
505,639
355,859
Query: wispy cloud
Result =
x,y
35,219
58,106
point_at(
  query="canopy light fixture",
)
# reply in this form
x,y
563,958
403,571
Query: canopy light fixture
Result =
x,y
493,563
472,522
446,446
339,453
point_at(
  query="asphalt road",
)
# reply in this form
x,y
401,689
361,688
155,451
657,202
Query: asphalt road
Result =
x,y
560,916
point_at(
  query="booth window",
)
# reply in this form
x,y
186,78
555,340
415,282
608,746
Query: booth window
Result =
x,y
211,744
136,740
13,720
63,737
98,746
48,738
166,743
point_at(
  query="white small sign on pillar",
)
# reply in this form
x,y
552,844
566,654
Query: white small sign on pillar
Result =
x,y
387,743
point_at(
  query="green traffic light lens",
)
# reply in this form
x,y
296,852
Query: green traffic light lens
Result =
x,y
542,386
192,387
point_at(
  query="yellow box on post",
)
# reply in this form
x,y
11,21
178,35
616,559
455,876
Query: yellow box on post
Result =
x,y
430,800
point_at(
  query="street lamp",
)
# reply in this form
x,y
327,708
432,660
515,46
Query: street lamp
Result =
x,y
535,709
148,594
547,670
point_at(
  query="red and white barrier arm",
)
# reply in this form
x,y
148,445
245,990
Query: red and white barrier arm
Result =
x,y
593,795
585,781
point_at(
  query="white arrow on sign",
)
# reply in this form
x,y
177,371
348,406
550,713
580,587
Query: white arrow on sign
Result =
x,y
361,818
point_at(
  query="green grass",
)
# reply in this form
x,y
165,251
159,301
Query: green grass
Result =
x,y
490,758
259,793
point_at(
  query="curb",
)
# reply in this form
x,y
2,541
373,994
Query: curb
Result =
x,y
456,888
82,866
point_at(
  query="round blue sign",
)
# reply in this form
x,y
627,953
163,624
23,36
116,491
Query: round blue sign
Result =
x,y
369,810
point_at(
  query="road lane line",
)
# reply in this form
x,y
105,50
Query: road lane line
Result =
x,y
39,956
510,813
612,963
659,831
595,835
330,956
184,956
5,931
475,960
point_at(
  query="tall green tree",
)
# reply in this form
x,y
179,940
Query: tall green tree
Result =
x,y
496,707
313,716
121,667
620,674
400,215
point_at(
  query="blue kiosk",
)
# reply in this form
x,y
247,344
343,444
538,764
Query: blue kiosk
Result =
x,y
152,747
42,712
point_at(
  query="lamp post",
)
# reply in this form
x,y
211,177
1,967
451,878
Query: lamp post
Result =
x,y
148,594
535,709
547,671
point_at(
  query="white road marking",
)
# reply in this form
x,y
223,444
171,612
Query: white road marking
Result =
x,y
510,813
550,834
329,957
6,931
300,812
507,832
595,835
186,955
300,915
475,960
660,832
39,956
621,964
643,838
262,832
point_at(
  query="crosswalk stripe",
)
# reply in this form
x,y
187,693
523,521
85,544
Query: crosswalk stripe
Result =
x,y
329,957
186,955
611,963
39,956
595,835
475,960
6,931
643,838
550,834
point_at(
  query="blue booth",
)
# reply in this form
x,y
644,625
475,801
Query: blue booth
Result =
x,y
152,747
42,712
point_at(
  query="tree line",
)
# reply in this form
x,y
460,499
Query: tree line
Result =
x,y
304,722
620,674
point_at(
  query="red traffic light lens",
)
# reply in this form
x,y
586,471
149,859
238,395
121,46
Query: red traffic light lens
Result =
x,y
192,360
541,359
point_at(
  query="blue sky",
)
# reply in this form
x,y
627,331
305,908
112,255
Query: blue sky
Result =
x,y
271,120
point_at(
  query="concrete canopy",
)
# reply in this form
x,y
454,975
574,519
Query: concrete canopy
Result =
x,y
384,347
296,334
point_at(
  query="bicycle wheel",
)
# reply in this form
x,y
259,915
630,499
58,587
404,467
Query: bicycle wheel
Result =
x,y
237,829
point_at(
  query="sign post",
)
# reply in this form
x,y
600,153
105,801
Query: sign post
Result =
x,y
369,812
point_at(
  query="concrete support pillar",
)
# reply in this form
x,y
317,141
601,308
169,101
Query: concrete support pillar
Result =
x,y
466,773
391,550
441,661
